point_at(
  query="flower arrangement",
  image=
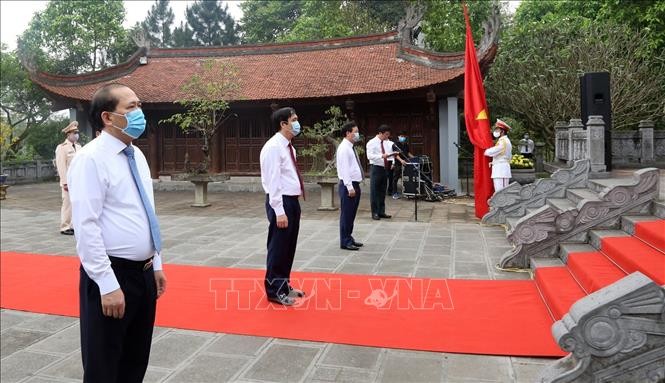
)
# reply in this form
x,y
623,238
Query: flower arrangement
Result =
x,y
518,161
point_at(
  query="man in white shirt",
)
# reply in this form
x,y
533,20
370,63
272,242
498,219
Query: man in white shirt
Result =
x,y
350,175
283,184
378,156
501,154
117,240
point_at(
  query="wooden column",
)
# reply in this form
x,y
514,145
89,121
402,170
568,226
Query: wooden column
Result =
x,y
154,145
215,153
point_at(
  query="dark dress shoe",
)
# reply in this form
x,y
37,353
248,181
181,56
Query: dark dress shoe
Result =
x,y
282,299
376,217
357,244
349,247
67,232
385,216
295,293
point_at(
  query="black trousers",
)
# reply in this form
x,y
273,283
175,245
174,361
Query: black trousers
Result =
x,y
378,183
397,174
117,350
347,213
281,246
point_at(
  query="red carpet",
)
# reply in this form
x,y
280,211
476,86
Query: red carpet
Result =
x,y
587,272
464,316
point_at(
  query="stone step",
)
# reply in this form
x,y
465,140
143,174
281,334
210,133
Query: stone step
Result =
x,y
565,249
561,204
628,222
511,222
658,209
577,195
598,185
595,236
537,262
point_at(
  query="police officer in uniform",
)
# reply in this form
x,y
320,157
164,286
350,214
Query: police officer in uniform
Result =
x,y
501,154
64,153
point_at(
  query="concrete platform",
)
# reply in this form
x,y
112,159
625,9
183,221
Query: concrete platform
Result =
x,y
447,242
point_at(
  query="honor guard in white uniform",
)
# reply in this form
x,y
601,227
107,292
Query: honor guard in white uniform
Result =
x,y
64,153
501,154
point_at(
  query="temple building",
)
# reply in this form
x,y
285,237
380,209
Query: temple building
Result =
x,y
375,79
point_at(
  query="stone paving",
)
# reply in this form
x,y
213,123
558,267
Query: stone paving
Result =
x,y
446,242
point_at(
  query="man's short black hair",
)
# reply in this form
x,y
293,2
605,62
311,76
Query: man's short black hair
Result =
x,y
348,127
402,133
282,114
103,101
383,128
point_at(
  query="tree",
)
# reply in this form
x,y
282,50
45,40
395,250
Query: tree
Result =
x,y
443,23
158,23
211,24
273,21
535,77
183,36
70,37
206,97
24,106
323,138
645,16
268,21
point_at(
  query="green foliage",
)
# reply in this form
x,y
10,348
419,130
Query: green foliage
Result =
x,y
211,24
648,17
323,137
268,21
298,20
205,99
158,24
535,77
183,36
49,135
24,106
443,23
70,37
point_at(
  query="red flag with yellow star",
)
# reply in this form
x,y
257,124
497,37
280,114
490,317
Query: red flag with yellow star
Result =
x,y
477,123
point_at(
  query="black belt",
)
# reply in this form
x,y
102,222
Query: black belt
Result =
x,y
124,263
287,196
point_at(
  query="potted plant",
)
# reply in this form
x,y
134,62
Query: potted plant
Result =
x,y
323,139
206,97
522,169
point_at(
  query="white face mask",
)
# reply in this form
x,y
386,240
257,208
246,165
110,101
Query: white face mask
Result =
x,y
496,134
356,137
73,137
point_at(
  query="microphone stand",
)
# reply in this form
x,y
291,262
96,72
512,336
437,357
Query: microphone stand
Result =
x,y
415,198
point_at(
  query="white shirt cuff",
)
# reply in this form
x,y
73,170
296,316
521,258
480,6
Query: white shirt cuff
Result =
x,y
157,262
108,283
279,210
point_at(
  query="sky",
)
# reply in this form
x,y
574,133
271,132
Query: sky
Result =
x,y
15,15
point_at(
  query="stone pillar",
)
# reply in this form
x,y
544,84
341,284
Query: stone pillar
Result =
x,y
646,141
560,128
448,137
538,155
574,125
596,143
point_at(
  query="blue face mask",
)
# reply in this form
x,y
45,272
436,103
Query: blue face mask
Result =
x,y
295,128
135,123
402,139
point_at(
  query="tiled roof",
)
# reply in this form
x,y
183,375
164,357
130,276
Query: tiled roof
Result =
x,y
341,67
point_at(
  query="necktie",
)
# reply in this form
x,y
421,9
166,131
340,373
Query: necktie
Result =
x,y
152,218
362,174
295,165
385,160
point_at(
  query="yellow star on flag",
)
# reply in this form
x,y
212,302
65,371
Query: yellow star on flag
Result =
x,y
482,115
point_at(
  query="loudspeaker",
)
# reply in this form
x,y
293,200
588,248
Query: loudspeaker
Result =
x,y
411,183
595,99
